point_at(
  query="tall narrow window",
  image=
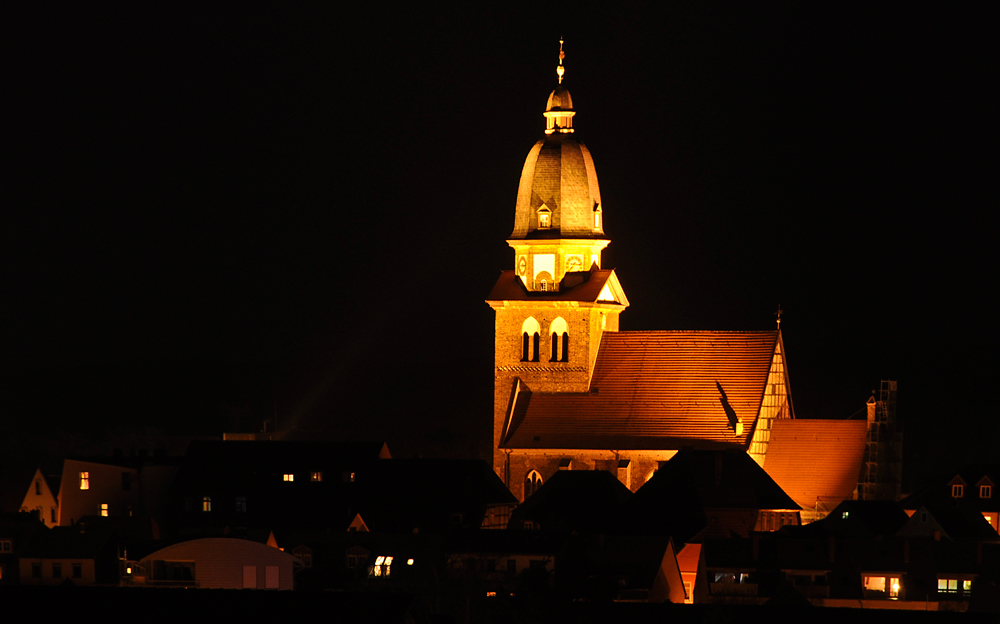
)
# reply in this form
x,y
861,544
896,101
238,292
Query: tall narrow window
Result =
x,y
206,503
104,509
560,340
84,480
529,340
531,483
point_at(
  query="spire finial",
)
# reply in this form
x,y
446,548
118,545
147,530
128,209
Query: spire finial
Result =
x,y
560,70
778,314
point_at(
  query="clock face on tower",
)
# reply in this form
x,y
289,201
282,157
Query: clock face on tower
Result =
x,y
522,266
574,263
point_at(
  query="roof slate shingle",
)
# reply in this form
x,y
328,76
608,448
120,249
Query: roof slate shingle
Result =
x,y
816,459
656,390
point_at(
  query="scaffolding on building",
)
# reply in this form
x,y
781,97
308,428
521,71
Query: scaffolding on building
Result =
x,y
880,473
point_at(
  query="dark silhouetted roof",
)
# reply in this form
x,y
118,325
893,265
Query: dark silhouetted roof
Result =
x,y
863,520
674,501
573,500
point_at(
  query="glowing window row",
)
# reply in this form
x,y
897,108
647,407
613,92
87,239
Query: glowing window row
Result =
x,y
958,491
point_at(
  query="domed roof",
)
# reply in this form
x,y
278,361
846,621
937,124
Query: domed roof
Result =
x,y
559,99
558,177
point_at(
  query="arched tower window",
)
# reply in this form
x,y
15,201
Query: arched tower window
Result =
x,y
531,483
560,340
530,334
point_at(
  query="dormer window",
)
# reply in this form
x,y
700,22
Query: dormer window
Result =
x,y
957,490
544,218
985,491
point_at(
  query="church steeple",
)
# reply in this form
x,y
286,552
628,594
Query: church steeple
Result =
x,y
557,303
559,218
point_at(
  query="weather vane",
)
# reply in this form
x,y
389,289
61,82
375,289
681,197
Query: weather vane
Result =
x,y
560,70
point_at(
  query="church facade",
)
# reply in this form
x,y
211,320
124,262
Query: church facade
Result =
x,y
571,391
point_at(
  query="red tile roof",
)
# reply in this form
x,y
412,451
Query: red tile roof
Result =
x,y
813,459
654,390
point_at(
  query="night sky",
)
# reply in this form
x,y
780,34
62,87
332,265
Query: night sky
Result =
x,y
219,216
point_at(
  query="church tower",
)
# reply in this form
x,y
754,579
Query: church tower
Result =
x,y
554,306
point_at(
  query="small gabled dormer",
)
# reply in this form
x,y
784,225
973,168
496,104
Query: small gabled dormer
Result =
x,y
957,487
984,488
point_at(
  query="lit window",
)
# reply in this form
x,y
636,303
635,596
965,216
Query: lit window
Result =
x,y
316,476
409,562
967,585
985,491
104,509
289,477
206,503
544,218
531,483
957,491
875,583
893,587
947,586
843,515
597,220
84,480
